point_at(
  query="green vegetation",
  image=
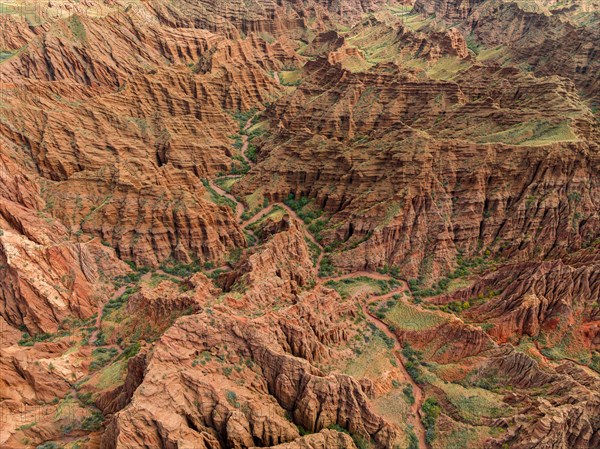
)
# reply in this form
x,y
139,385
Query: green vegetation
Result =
x,y
595,361
567,347
131,278
359,440
26,426
243,117
251,153
532,133
373,355
412,440
93,422
30,340
475,405
48,445
85,398
413,363
227,183
308,213
326,269
4,54
219,199
449,284
117,303
112,375
302,207
409,317
408,392
232,399
431,410
291,77
241,167
181,269
102,357
77,28
472,44
349,286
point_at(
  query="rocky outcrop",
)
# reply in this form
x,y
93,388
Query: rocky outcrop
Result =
x,y
128,162
554,297
117,399
279,269
324,439
565,417
236,18
259,381
46,277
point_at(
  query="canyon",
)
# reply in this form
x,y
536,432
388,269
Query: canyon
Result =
x,y
299,224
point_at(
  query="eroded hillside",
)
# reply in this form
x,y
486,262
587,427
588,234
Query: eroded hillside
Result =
x,y
299,224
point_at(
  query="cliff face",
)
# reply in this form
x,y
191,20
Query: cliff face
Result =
x,y
299,224
413,196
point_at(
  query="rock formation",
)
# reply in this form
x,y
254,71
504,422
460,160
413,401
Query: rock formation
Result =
x,y
299,224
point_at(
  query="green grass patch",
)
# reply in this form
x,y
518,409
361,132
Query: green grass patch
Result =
x,y
227,183
102,357
474,404
219,199
408,317
112,375
349,287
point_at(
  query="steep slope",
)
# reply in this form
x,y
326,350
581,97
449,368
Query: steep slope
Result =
x,y
299,224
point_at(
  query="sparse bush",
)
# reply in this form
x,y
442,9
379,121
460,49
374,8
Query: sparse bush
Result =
x,y
413,441
92,422
232,398
85,398
326,269
102,356
431,411
48,445
251,153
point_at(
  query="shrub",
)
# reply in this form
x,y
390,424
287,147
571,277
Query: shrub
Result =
x,y
251,153
180,269
431,411
413,441
232,398
48,445
27,426
408,392
30,340
302,431
85,398
326,269
102,356
92,422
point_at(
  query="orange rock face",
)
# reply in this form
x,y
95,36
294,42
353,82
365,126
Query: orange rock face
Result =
x,y
299,225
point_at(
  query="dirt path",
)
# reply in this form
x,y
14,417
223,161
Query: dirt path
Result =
x,y
415,418
239,207
101,305
367,274
415,409
258,216
290,211
244,149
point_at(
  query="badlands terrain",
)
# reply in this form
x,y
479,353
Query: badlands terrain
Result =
x,y
299,224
